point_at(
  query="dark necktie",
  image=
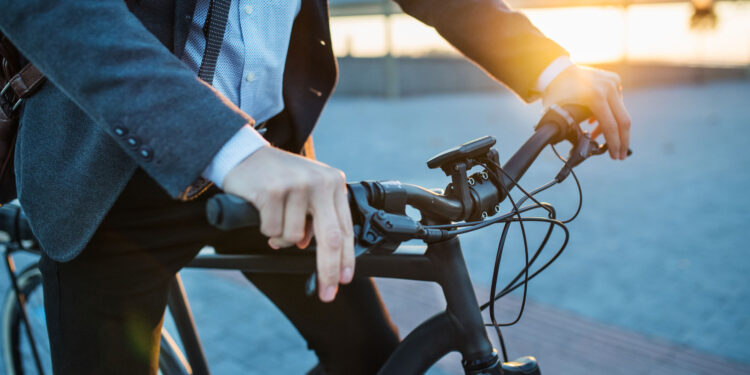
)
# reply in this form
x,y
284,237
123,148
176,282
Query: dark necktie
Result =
x,y
213,29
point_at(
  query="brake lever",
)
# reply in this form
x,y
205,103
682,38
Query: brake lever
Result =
x,y
583,149
603,148
378,229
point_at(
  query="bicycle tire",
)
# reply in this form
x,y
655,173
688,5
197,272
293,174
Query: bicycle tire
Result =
x,y
16,350
16,353
423,347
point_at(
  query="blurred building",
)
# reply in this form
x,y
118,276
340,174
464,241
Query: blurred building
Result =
x,y
383,52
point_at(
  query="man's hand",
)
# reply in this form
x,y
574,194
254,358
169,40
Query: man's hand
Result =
x,y
286,188
601,92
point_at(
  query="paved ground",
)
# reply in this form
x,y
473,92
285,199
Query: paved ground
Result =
x,y
657,256
661,245
562,342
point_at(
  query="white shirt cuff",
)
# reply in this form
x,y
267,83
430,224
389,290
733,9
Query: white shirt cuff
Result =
x,y
240,146
551,72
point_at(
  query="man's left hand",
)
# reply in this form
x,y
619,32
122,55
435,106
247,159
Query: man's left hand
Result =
x,y
601,92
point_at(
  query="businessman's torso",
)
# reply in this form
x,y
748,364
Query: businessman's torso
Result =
x,y
70,171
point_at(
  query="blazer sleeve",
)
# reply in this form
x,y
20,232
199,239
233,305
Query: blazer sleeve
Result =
x,y
488,32
104,59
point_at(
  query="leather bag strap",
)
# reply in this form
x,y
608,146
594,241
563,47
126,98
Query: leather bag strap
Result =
x,y
27,81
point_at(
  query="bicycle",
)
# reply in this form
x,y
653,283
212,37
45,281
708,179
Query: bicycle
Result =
x,y
470,202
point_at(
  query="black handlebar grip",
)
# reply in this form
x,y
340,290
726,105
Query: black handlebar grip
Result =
x,y
564,118
228,212
579,113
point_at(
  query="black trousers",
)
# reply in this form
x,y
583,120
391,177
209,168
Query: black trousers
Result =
x,y
105,307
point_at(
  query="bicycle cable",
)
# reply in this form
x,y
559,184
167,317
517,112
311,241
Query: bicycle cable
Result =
x,y
515,216
578,185
508,218
510,287
495,179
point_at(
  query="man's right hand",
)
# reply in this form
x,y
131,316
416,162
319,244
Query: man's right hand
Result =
x,y
286,188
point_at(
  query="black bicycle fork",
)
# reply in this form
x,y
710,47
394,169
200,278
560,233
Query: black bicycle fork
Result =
x,y
459,328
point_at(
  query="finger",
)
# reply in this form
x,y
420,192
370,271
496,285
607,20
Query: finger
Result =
x,y
295,215
329,243
596,132
608,127
623,123
271,215
345,219
305,242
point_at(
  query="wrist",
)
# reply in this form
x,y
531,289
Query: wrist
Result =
x,y
562,86
549,74
249,162
244,143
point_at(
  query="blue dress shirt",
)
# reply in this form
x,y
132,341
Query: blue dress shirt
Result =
x,y
249,70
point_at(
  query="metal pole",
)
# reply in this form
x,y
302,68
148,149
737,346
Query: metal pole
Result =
x,y
390,68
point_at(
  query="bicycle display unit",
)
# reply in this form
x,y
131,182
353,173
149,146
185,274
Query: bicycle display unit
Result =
x,y
471,201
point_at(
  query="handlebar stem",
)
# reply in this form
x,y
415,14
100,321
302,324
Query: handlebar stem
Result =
x,y
520,162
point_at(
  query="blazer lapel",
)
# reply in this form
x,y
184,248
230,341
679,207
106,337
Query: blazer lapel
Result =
x,y
183,18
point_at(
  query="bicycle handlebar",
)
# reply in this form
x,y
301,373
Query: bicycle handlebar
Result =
x,y
229,212
520,162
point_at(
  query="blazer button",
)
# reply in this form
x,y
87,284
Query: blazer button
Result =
x,y
315,92
146,153
120,131
133,142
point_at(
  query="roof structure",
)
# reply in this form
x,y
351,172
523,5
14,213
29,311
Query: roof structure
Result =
x,y
373,7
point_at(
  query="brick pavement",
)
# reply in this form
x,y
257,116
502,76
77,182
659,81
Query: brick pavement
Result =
x,y
562,342
660,247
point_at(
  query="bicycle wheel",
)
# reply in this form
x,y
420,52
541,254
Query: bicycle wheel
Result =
x,y
17,353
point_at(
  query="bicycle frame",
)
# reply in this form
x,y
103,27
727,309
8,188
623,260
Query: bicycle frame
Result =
x,y
459,328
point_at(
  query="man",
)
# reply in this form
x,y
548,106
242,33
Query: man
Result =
x,y
123,127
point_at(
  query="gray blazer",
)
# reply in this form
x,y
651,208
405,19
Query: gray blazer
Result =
x,y
118,97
